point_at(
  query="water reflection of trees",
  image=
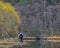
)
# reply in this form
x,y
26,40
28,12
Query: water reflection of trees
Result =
x,y
34,45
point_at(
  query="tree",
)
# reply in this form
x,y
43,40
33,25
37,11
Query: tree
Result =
x,y
21,2
13,2
52,2
9,20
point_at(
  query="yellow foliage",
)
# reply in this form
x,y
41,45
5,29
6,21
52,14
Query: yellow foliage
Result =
x,y
7,7
9,18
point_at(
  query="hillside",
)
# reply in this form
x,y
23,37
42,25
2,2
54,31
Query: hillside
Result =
x,y
40,15
39,18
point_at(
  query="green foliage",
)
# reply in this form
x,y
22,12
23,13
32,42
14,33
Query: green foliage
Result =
x,y
9,20
21,2
25,2
34,32
51,2
13,2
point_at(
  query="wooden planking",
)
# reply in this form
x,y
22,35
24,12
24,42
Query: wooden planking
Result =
x,y
28,40
53,37
31,38
53,40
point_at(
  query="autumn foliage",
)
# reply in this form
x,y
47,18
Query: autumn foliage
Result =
x,y
9,20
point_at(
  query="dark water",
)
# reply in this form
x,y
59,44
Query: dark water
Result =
x,y
29,45
39,44
34,45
